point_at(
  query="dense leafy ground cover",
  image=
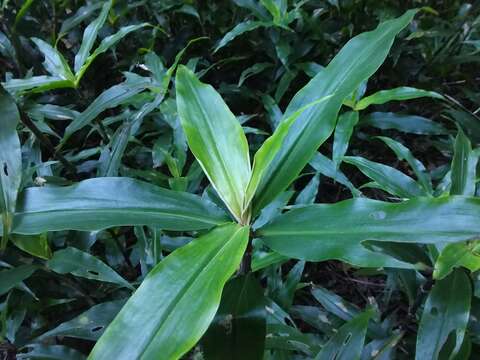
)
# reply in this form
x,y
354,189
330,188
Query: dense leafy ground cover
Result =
x,y
239,179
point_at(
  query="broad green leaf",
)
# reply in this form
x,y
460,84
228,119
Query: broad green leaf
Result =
x,y
326,167
238,30
50,352
108,99
176,302
347,343
216,139
355,62
343,133
80,263
54,61
89,325
239,327
446,311
37,84
412,124
464,166
397,94
466,254
403,153
335,304
36,245
100,203
270,148
335,231
90,35
106,44
12,277
387,178
10,162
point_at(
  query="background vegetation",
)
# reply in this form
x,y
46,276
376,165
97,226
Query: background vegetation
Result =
x,y
111,111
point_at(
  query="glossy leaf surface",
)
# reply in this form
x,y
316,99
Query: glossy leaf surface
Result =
x,y
176,302
355,62
100,203
215,137
335,231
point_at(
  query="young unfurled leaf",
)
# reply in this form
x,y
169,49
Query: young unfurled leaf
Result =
x,y
176,302
216,139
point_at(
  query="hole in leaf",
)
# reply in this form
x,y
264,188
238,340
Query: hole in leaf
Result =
x,y
434,311
347,339
5,169
97,328
93,272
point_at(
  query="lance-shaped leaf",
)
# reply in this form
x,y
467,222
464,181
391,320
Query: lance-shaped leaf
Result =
x,y
387,178
403,153
397,94
10,161
465,254
265,155
90,35
176,302
405,123
215,137
37,84
12,277
100,203
238,30
335,231
355,62
464,166
446,311
80,263
54,61
108,99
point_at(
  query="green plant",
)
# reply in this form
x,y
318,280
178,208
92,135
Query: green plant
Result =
x,y
238,225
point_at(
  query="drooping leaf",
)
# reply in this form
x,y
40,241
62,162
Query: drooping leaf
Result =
x,y
80,263
10,162
89,325
239,328
100,203
37,84
336,231
466,254
90,35
176,302
387,178
412,124
446,311
397,94
403,153
216,139
347,343
464,166
355,62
